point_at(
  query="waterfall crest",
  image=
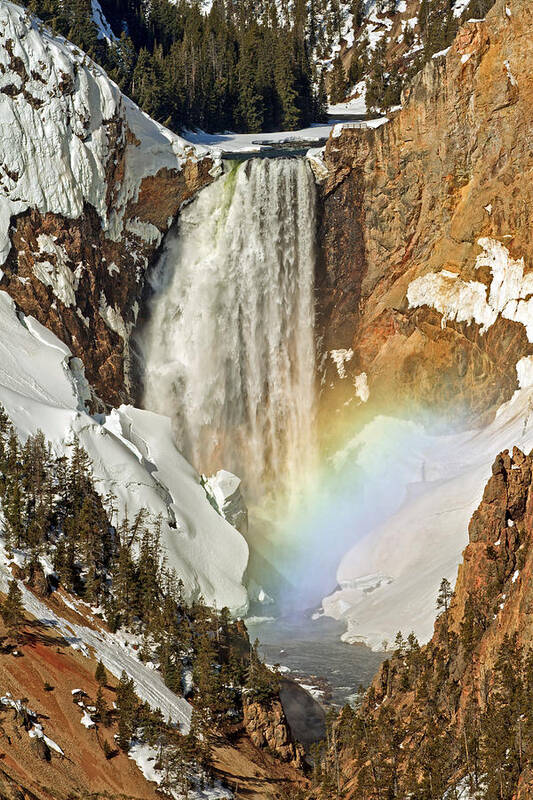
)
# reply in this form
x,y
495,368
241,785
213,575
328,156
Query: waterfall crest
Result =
x,y
228,347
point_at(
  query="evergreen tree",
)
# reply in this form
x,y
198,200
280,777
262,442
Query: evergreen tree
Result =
x,y
127,708
285,82
251,111
338,83
102,710
100,674
358,13
12,610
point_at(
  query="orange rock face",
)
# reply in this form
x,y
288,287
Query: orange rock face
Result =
x,y
414,196
437,694
268,728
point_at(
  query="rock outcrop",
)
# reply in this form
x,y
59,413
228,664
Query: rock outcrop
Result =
x,y
89,185
413,198
268,728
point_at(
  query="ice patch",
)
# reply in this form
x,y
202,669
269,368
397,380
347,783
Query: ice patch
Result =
x,y
361,387
86,720
340,358
466,301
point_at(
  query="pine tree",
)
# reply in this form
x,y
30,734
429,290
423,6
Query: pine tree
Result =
x,y
100,674
285,82
12,610
358,13
199,739
101,707
251,109
321,103
127,707
445,594
338,83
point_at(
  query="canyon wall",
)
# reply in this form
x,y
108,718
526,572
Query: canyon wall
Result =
x,y
454,717
85,209
413,198
89,185
268,728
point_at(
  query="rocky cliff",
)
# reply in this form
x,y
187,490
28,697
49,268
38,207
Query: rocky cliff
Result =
x,y
454,717
424,233
267,727
88,187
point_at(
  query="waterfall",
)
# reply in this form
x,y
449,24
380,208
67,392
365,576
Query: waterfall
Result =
x,y
228,345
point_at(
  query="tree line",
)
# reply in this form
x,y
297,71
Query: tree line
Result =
x,y
249,65
245,66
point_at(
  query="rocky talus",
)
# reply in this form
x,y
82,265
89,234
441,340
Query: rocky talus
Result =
x,y
415,197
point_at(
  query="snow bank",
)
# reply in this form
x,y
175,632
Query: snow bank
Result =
x,y
147,758
205,550
356,106
86,720
132,453
229,142
466,301
389,580
36,732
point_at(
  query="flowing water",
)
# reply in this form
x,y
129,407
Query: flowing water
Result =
x,y
228,347
228,353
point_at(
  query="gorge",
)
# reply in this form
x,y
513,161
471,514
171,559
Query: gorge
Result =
x,y
380,220
299,368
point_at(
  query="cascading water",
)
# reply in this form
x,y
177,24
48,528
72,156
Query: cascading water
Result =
x,y
228,347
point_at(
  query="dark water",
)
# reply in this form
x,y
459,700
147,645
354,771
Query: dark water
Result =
x,y
306,717
313,652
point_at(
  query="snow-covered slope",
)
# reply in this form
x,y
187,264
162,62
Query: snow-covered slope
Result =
x,y
43,387
389,579
60,118
102,25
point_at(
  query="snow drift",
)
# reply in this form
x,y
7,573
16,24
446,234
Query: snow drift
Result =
x,y
389,579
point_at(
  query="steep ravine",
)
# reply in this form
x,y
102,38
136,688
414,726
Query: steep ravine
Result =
x,y
399,205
